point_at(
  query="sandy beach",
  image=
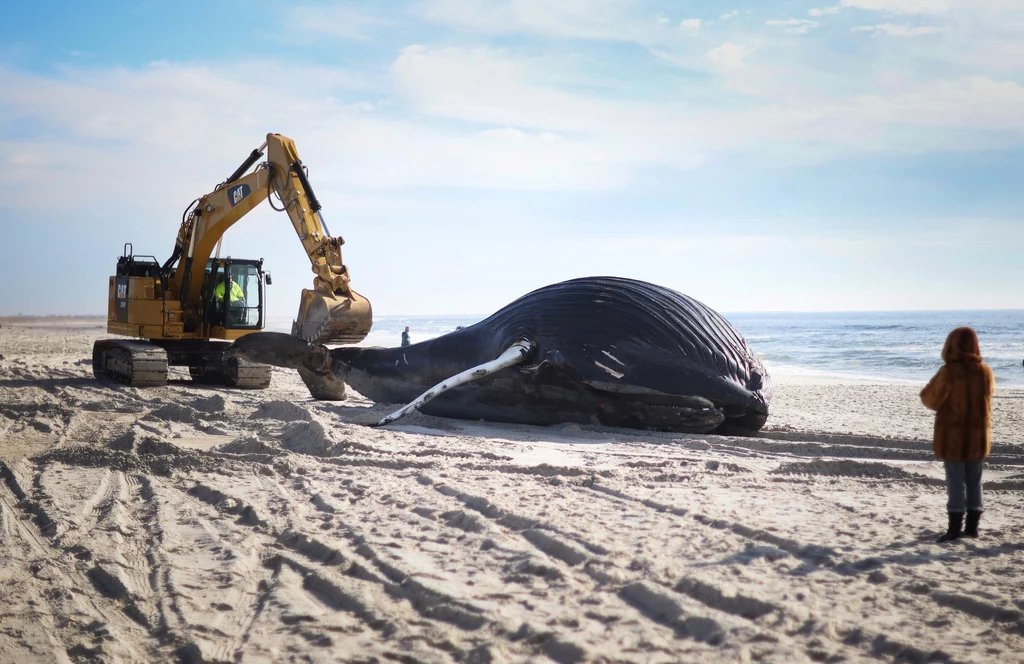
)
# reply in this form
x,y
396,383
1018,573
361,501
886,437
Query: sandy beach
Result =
x,y
209,525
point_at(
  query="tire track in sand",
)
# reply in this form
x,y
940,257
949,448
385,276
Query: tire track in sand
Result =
x,y
27,633
93,515
341,570
734,630
84,625
562,569
208,573
311,596
875,642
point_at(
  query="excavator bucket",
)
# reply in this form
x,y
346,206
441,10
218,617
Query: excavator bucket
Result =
x,y
327,318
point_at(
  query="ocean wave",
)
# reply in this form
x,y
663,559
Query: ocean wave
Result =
x,y
777,357
882,327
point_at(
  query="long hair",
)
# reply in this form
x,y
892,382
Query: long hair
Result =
x,y
961,346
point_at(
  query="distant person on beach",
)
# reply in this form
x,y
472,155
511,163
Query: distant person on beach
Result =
x,y
405,336
961,395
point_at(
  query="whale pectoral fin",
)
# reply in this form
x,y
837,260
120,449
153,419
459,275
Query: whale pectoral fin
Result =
x,y
512,355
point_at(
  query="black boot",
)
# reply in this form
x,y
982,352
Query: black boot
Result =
x,y
971,528
956,525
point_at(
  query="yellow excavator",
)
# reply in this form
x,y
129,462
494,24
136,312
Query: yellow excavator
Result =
x,y
185,311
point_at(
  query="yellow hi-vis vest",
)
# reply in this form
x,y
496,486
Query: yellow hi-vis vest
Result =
x,y
236,292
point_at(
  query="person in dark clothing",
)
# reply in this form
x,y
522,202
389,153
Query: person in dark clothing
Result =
x,y
405,336
961,395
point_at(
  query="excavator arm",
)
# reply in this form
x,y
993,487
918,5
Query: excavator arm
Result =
x,y
330,312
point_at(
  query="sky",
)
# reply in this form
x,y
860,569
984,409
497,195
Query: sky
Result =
x,y
778,155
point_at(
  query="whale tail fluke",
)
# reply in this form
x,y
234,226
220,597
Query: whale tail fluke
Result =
x,y
280,350
312,361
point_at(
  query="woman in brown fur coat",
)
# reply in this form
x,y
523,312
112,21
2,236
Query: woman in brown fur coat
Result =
x,y
961,393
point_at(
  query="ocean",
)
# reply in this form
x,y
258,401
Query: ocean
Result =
x,y
898,346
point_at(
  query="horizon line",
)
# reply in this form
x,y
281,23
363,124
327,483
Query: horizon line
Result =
x,y
17,317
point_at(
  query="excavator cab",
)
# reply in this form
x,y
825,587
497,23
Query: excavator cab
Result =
x,y
233,294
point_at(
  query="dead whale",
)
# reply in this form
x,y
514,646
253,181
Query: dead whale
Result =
x,y
596,350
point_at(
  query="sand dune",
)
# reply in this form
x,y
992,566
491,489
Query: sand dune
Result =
x,y
207,525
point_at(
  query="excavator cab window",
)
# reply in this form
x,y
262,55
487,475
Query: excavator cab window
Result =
x,y
244,281
233,294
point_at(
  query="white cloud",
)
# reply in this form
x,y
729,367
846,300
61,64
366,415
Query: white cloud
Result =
x,y
506,134
690,25
145,126
891,6
996,55
489,86
970,102
496,124
334,21
799,26
611,20
901,6
30,156
729,55
463,117
733,14
899,30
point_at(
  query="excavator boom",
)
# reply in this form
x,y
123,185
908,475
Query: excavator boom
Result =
x,y
329,312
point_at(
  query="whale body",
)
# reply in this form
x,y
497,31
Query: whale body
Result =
x,y
601,350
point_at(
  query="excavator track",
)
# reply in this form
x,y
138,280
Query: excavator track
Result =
x,y
236,372
132,363
246,375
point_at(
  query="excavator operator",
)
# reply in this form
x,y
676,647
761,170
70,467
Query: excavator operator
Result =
x,y
235,293
236,300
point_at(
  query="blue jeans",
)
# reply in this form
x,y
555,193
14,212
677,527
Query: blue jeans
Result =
x,y
963,486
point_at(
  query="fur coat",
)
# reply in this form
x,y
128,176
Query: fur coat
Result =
x,y
961,395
